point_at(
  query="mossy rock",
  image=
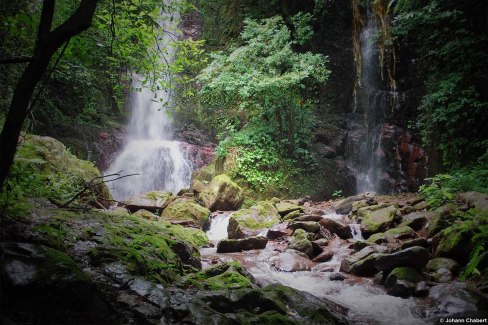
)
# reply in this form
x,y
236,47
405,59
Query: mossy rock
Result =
x,y
299,241
60,169
401,281
252,221
202,177
227,276
151,201
285,208
227,281
392,234
442,262
222,194
455,242
377,218
292,215
146,215
186,210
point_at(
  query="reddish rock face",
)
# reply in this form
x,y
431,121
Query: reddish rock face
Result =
x,y
199,156
412,160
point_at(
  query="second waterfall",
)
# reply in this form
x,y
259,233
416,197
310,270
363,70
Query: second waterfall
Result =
x,y
149,149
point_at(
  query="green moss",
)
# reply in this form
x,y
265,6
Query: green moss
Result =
x,y
225,276
155,195
186,210
406,273
228,280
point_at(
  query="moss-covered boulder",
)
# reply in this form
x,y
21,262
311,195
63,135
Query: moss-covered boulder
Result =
x,y
151,201
239,245
228,276
300,242
308,226
442,262
402,281
416,220
55,169
146,215
222,194
285,208
345,206
253,221
377,218
186,211
455,242
202,177
415,257
404,232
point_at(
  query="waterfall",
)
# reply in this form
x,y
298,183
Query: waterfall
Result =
x,y
149,150
356,231
218,227
371,103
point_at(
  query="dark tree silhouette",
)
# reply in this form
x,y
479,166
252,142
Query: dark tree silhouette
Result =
x,y
47,43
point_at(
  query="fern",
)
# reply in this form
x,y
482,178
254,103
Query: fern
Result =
x,y
478,253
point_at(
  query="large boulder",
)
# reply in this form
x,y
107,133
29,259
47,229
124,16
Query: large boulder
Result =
x,y
416,220
285,208
344,206
45,284
337,227
292,261
151,201
415,257
377,218
441,262
361,263
392,234
475,200
252,221
56,167
457,297
222,194
299,241
402,281
186,211
308,226
455,242
239,245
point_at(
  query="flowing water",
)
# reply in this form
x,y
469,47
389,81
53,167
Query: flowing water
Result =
x,y
149,150
366,302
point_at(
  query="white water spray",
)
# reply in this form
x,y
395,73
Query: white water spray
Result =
x,y
356,231
149,150
218,227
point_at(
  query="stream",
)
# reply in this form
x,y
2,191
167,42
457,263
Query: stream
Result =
x,y
367,302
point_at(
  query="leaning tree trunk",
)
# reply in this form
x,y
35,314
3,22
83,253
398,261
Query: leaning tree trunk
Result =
x,y
46,45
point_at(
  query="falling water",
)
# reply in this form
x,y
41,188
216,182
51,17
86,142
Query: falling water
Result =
x,y
356,231
370,102
218,227
149,150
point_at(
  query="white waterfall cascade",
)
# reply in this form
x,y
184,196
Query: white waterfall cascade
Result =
x,y
149,150
356,231
218,227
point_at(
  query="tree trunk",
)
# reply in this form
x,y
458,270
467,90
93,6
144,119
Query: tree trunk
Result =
x,y
46,45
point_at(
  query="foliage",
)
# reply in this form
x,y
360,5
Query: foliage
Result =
x,y
452,43
441,187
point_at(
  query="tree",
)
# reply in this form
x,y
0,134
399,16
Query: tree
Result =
x,y
266,77
48,41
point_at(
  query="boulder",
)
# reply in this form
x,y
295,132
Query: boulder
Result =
x,y
308,226
457,297
285,208
308,217
415,220
442,275
292,261
392,234
361,263
455,242
336,276
415,257
475,200
421,289
252,221
325,256
344,206
377,218
402,281
278,231
337,227
151,201
292,215
186,210
300,242
222,194
422,242
440,219
239,245
146,215
441,262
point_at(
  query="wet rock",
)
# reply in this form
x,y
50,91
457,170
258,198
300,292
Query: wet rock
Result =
x,y
347,263
222,194
285,208
379,278
421,289
292,261
308,226
300,242
392,234
422,242
186,210
402,281
151,201
441,262
457,297
278,231
440,219
442,275
455,242
146,215
415,257
337,277
41,283
252,221
292,215
321,242
341,229
475,200
188,254
344,206
239,245
421,206
325,256
377,218
360,244
308,217
415,220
